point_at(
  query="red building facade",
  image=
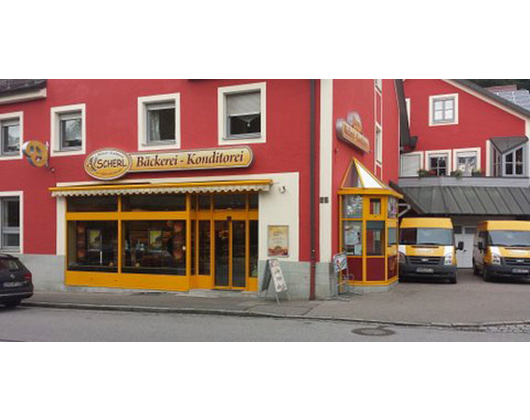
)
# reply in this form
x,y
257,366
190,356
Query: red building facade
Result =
x,y
470,160
275,121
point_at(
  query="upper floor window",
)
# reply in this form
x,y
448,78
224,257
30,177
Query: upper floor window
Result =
x,y
467,161
378,144
510,162
159,122
10,135
68,135
242,115
70,131
514,162
444,109
439,164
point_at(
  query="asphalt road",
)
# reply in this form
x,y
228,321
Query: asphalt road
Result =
x,y
60,325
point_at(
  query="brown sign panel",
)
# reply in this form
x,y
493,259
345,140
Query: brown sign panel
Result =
x,y
351,132
109,164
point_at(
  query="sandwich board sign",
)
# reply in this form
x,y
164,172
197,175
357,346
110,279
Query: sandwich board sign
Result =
x,y
340,267
273,271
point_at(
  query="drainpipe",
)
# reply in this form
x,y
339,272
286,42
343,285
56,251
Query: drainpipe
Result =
x,y
312,191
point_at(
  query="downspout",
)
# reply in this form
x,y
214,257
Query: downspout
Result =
x,y
312,191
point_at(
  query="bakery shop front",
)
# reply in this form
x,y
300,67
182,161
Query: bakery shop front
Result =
x,y
163,236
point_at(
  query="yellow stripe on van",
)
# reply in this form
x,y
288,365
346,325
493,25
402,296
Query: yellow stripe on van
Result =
x,y
427,222
505,225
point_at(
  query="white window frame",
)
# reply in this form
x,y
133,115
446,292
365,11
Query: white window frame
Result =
x,y
13,116
407,102
55,136
421,166
525,163
20,196
143,103
222,92
434,153
434,98
378,83
468,151
378,144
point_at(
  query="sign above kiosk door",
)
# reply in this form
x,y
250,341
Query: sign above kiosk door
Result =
x,y
109,164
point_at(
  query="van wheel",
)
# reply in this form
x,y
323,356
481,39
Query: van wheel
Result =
x,y
452,280
12,303
476,271
486,275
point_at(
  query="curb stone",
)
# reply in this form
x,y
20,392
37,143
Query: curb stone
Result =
x,y
250,314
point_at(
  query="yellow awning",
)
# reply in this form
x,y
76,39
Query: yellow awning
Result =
x,y
173,188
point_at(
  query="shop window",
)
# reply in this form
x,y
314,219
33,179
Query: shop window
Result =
x,y
393,208
239,267
204,247
162,202
352,238
204,201
92,204
253,248
10,223
392,236
375,206
193,246
352,206
375,237
155,247
10,137
230,201
253,200
93,246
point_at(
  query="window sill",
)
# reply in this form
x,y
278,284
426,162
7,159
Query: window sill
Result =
x,y
159,146
11,157
68,152
242,140
442,123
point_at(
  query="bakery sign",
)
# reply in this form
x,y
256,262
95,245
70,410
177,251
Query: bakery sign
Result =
x,y
351,132
109,164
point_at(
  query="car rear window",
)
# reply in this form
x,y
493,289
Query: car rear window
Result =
x,y
11,265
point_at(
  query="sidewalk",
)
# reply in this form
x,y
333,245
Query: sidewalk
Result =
x,y
471,302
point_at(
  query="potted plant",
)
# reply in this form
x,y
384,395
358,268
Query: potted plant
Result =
x,y
477,173
423,173
457,174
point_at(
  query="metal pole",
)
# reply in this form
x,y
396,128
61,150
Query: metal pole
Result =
x,y
312,192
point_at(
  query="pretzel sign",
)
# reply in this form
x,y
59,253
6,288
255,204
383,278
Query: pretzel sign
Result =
x,y
36,153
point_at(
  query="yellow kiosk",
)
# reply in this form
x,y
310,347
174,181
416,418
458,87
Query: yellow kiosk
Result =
x,y
368,228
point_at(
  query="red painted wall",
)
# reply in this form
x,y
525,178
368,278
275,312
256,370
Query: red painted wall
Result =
x,y
360,95
478,120
111,121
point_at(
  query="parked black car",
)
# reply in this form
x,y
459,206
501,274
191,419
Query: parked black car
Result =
x,y
15,281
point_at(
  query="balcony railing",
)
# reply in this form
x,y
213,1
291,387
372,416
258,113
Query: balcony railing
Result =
x,y
464,181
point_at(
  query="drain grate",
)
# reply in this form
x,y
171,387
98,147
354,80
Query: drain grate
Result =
x,y
373,331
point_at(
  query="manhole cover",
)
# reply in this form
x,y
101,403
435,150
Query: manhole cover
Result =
x,y
373,331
